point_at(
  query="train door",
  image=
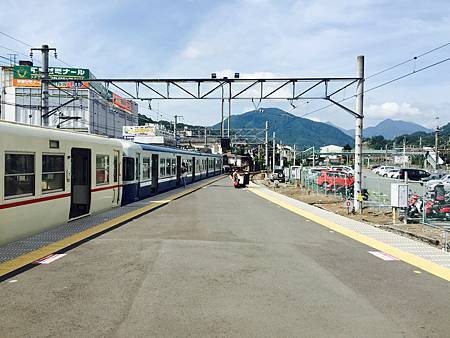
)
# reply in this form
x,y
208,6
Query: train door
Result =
x,y
155,172
207,167
80,185
138,174
116,171
193,169
178,170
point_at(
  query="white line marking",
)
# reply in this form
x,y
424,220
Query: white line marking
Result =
x,y
49,259
12,281
384,256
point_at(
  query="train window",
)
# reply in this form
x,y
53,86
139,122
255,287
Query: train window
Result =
x,y
146,168
19,175
52,173
174,166
102,169
128,168
162,167
168,167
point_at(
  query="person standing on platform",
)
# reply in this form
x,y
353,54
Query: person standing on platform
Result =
x,y
183,173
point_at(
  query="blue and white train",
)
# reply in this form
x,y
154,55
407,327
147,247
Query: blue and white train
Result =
x,y
49,176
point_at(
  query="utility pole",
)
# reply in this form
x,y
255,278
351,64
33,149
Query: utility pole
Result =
x,y
274,151
44,82
386,153
295,154
229,117
267,148
358,133
12,58
436,144
404,152
314,157
206,139
175,129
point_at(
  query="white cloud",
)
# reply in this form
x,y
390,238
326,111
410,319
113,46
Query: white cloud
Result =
x,y
191,52
393,110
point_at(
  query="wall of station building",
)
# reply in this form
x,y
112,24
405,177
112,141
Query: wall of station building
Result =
x,y
96,114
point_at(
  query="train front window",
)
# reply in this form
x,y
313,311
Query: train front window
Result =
x,y
128,168
19,175
52,173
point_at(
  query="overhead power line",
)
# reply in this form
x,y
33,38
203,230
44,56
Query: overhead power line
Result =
x,y
406,75
381,85
409,60
15,39
28,45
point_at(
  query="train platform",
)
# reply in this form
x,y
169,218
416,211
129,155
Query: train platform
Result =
x,y
231,262
19,254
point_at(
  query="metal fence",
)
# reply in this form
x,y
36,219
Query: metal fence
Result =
x,y
425,204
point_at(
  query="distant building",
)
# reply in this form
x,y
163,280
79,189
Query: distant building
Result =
x,y
95,109
331,149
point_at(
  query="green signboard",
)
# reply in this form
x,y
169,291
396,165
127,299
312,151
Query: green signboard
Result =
x,y
55,73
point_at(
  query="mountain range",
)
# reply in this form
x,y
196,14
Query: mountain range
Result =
x,y
389,129
289,128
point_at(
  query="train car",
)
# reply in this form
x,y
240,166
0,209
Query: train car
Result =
x,y
49,177
150,169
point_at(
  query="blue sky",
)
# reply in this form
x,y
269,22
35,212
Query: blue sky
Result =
x,y
193,38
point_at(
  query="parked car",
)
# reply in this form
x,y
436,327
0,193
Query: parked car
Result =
x,y
375,167
393,173
413,174
444,180
277,175
334,178
436,175
343,168
382,168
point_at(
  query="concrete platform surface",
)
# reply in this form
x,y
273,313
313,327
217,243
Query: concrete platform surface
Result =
x,y
224,262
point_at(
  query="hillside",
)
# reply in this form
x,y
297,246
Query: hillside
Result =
x,y
417,138
290,128
390,129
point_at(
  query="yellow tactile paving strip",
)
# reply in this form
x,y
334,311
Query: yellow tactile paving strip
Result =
x,y
419,262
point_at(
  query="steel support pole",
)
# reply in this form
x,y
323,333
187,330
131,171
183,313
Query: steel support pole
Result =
x,y
266,157
358,133
274,151
44,107
222,126
206,139
229,118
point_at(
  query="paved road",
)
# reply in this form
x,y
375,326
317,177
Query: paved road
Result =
x,y
224,262
376,183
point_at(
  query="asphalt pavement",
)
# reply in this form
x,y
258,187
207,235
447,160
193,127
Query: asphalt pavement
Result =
x,y
382,185
223,262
